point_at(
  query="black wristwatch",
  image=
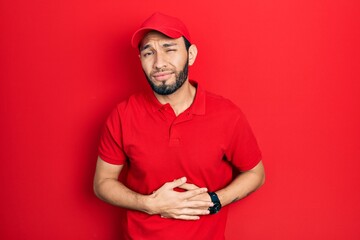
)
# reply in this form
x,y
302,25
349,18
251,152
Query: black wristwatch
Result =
x,y
217,205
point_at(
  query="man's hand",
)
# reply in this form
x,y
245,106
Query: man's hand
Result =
x,y
188,205
205,197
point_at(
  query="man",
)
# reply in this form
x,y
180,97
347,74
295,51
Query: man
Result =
x,y
180,144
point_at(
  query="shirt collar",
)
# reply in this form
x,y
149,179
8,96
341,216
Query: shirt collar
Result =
x,y
197,107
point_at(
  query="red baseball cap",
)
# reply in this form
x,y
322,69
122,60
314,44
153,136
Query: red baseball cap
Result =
x,y
170,26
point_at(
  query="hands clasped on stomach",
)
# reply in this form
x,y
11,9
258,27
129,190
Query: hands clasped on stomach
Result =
x,y
187,205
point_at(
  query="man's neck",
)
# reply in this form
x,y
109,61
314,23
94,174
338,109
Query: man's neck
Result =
x,y
181,99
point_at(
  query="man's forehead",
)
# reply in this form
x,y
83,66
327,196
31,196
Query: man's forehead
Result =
x,y
158,37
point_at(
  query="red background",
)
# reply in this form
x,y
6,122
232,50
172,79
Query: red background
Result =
x,y
292,66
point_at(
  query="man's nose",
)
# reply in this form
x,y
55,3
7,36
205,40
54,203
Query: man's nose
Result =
x,y
160,61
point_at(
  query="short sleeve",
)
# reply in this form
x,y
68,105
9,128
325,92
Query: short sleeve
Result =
x,y
243,150
111,145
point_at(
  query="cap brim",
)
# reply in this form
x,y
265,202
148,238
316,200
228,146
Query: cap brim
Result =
x,y
140,34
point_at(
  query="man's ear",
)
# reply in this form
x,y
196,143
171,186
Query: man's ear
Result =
x,y
192,54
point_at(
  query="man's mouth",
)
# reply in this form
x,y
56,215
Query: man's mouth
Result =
x,y
162,76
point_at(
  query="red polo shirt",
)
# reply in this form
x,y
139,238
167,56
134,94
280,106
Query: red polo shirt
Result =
x,y
201,143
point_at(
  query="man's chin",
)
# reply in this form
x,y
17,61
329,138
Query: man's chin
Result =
x,y
164,89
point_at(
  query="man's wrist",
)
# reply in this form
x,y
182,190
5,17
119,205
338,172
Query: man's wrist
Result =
x,y
147,203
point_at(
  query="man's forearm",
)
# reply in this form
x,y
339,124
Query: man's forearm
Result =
x,y
116,193
243,185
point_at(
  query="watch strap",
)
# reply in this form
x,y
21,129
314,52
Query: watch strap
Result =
x,y
217,205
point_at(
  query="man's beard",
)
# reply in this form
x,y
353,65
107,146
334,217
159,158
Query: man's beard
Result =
x,y
165,89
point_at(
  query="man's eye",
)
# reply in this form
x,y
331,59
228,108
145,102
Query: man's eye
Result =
x,y
171,50
147,54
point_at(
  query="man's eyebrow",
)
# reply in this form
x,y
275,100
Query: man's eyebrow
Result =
x,y
169,44
144,47
165,45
